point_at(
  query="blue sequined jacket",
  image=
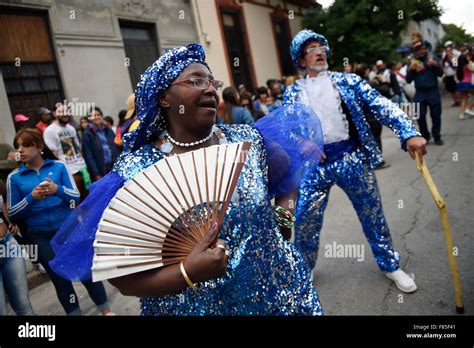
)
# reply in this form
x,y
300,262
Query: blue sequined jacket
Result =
x,y
361,100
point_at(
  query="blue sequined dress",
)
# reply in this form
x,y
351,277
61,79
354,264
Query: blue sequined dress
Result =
x,y
266,275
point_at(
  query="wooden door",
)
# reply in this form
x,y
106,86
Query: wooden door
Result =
x,y
28,65
141,48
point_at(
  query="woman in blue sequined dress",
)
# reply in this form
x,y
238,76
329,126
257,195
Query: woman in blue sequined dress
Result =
x,y
261,273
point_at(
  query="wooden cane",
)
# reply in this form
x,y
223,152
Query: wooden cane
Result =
x,y
447,231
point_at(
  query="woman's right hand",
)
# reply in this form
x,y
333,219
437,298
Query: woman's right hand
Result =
x,y
207,261
37,193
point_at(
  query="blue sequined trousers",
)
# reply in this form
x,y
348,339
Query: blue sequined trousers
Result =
x,y
352,174
266,275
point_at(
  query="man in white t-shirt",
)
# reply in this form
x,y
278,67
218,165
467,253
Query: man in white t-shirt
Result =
x,y
450,63
61,138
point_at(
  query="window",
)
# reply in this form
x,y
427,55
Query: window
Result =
x,y
141,48
236,47
31,78
283,41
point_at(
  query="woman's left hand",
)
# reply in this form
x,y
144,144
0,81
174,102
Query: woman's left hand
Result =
x,y
50,188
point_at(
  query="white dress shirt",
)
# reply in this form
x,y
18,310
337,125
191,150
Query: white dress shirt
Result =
x,y
321,95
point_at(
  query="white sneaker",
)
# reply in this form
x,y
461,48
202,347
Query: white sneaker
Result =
x,y
469,112
402,280
462,117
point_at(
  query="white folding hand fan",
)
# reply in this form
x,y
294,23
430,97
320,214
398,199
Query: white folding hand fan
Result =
x,y
158,217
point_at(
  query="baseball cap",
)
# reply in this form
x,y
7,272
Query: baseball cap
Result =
x,y
21,118
42,110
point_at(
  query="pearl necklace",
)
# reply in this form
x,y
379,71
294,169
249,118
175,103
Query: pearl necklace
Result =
x,y
194,143
168,141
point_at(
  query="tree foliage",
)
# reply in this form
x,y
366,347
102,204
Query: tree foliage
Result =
x,y
367,30
457,35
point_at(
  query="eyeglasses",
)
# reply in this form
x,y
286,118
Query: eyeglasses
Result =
x,y
317,49
202,83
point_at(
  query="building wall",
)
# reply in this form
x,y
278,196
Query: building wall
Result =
x,y
90,52
262,42
260,34
210,37
431,30
89,48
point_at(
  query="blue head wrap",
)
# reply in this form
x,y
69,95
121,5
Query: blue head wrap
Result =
x,y
301,39
154,81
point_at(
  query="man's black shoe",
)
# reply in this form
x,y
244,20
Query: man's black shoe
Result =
x,y
439,141
382,165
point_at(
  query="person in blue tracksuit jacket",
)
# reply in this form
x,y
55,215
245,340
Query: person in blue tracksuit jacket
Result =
x,y
42,193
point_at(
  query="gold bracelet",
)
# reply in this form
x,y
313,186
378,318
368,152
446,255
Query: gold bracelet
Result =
x,y
185,275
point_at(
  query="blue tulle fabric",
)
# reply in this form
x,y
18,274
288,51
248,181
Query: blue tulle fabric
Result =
x,y
294,143
73,243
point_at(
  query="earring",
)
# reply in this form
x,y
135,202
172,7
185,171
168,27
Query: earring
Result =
x,y
42,152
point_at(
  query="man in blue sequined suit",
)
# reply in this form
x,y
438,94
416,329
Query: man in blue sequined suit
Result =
x,y
341,101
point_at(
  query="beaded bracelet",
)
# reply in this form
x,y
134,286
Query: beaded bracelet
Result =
x,y
284,217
